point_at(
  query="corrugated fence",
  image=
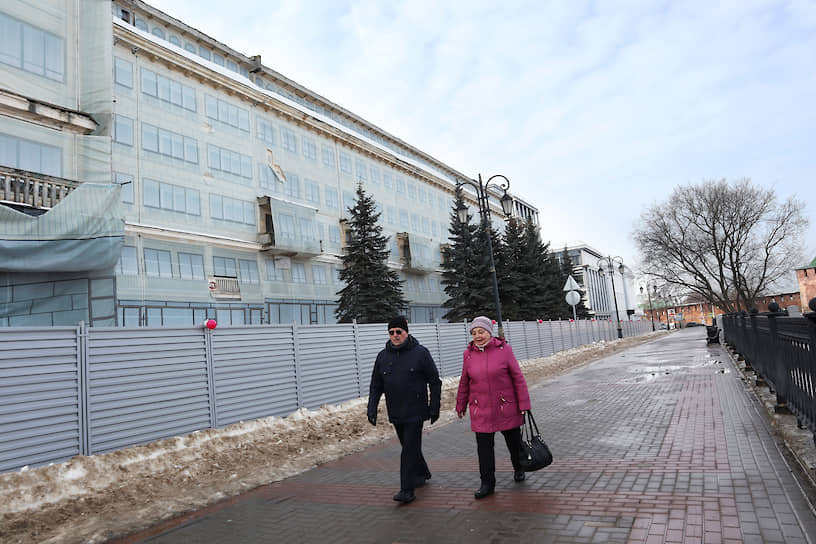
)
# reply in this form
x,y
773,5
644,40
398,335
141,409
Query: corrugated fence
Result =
x,y
68,391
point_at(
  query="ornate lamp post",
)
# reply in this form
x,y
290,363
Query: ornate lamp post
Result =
x,y
482,199
610,264
651,308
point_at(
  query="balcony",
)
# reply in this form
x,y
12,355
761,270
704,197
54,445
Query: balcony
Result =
x,y
24,189
288,228
224,287
416,253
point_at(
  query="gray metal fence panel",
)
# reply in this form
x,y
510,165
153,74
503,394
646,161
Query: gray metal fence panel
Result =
x,y
533,340
371,340
145,384
453,340
516,338
426,334
254,373
40,392
327,365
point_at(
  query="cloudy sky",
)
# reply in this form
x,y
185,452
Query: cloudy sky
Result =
x,y
594,110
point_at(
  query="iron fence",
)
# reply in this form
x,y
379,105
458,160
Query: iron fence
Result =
x,y
782,352
68,391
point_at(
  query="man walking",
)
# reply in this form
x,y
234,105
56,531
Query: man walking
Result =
x,y
405,371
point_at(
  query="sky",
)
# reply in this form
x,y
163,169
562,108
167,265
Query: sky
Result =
x,y
593,110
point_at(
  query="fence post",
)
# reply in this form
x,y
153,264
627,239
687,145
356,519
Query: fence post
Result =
x,y
208,356
84,418
357,361
296,354
778,362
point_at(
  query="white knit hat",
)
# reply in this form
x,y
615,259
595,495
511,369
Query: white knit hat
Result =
x,y
484,322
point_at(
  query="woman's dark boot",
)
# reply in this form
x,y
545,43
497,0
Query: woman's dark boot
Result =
x,y
485,490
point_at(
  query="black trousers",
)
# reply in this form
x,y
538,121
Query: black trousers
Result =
x,y
412,462
485,447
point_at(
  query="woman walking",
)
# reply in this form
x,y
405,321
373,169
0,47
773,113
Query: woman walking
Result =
x,y
494,388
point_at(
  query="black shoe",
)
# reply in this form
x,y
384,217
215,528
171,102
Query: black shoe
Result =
x,y
519,476
484,491
404,496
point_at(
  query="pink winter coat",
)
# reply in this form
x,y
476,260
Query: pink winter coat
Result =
x,y
493,386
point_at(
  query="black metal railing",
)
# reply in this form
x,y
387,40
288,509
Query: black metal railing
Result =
x,y
782,352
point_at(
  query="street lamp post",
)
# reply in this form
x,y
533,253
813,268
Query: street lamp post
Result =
x,y
651,309
610,262
483,200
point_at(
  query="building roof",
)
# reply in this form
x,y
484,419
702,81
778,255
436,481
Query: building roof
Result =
x,y
811,265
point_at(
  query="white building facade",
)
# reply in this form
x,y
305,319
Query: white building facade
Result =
x,y
234,179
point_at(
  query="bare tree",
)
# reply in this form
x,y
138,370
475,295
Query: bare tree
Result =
x,y
727,242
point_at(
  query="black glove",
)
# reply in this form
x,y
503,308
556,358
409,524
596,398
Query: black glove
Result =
x,y
372,418
434,417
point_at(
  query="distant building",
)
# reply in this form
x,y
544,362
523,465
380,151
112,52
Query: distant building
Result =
x,y
807,284
597,292
231,181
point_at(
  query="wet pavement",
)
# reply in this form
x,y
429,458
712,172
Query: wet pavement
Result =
x,y
659,443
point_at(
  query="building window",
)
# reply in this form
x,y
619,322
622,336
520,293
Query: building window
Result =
x,y
308,229
174,40
328,156
157,263
348,200
169,144
415,222
298,273
286,226
292,186
224,266
312,190
362,170
273,273
345,163
31,49
405,219
309,148
228,161
204,53
123,72
319,274
230,209
126,182
159,33
249,271
375,174
331,197
423,195
123,130
387,180
265,130
168,91
400,185
390,215
31,156
412,191
191,266
128,264
288,140
171,197
224,112
334,235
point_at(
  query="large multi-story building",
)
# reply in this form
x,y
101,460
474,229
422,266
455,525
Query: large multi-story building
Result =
x,y
231,181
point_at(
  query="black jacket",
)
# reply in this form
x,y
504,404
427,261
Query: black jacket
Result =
x,y
405,373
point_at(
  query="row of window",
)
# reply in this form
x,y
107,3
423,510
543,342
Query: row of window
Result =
x,y
190,266
219,110
28,155
31,49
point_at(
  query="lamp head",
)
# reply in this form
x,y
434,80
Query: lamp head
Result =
x,y
507,204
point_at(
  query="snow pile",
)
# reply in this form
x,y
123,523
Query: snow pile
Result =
x,y
94,498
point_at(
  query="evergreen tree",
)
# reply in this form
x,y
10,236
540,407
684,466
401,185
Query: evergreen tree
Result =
x,y
373,292
543,296
517,281
465,270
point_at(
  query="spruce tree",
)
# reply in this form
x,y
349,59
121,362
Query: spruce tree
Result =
x,y
465,274
516,280
373,292
542,290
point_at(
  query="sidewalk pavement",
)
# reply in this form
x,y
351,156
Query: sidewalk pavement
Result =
x,y
659,443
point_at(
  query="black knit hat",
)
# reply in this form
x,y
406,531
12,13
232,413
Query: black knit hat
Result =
x,y
398,322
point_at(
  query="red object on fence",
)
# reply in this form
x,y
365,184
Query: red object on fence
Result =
x,y
211,324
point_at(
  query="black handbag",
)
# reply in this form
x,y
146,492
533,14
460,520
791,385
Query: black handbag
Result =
x,y
534,454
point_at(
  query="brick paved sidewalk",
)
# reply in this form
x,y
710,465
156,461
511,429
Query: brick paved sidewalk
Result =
x,y
659,443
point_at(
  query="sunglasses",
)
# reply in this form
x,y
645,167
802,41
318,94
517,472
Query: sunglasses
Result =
x,y
395,332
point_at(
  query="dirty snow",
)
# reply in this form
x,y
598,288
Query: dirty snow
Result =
x,y
90,499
